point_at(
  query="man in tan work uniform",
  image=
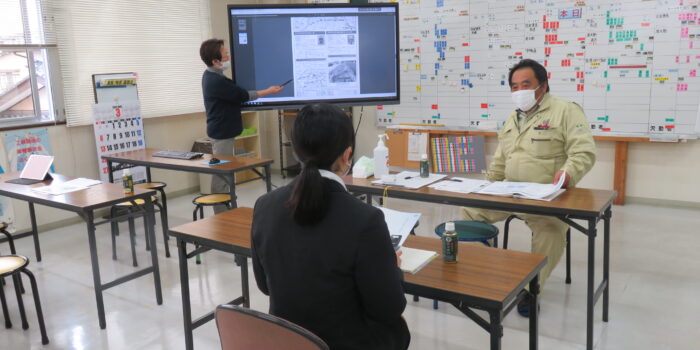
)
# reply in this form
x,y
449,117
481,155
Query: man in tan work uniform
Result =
x,y
543,139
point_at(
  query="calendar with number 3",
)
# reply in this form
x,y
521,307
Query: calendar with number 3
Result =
x,y
118,128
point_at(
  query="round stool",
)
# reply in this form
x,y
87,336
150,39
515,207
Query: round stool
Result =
x,y
129,206
208,200
14,265
472,231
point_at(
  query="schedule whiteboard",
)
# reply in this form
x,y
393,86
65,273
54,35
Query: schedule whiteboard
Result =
x,y
632,65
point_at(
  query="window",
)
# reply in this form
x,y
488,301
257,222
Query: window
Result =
x,y
27,52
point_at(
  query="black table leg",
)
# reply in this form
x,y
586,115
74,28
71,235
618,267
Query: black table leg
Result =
x,y
242,261
232,187
591,280
185,291
148,174
35,231
89,219
110,172
534,316
495,329
606,263
268,178
150,229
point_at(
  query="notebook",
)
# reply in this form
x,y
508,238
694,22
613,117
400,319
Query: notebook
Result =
x,y
412,260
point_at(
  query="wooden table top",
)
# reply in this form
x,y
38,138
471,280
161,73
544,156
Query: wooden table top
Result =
x,y
492,274
579,202
145,157
228,231
97,196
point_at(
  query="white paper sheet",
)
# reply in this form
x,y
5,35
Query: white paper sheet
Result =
x,y
400,223
408,179
58,189
417,145
459,185
82,182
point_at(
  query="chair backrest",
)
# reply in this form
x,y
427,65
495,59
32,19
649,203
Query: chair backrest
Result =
x,y
242,328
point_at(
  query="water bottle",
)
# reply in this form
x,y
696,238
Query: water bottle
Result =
x,y
450,243
127,182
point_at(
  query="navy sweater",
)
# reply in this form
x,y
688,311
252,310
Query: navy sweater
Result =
x,y
222,102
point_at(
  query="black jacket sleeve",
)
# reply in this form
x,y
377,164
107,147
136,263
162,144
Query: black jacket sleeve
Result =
x,y
258,270
227,90
378,278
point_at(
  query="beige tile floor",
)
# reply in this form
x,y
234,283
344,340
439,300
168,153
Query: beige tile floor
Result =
x,y
655,290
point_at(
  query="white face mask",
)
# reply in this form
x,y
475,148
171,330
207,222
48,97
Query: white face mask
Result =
x,y
524,100
225,65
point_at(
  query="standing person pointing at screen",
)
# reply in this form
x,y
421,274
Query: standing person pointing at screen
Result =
x,y
222,102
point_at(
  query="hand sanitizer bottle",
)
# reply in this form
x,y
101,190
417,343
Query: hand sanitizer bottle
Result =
x,y
381,158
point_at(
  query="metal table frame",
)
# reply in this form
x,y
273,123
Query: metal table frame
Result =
x,y
228,175
87,214
593,293
241,258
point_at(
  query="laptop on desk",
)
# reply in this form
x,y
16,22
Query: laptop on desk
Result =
x,y
36,170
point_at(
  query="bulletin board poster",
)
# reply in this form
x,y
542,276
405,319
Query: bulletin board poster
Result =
x,y
20,144
118,128
7,214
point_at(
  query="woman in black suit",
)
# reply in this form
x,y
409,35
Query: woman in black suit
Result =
x,y
323,256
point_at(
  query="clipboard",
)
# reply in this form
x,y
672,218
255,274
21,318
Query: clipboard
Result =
x,y
36,170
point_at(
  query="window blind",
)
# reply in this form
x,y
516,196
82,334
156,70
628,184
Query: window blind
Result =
x,y
159,40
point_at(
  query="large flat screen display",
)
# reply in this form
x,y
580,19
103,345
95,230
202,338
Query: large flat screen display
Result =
x,y
337,53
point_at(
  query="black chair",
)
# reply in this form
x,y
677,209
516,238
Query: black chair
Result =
x,y
14,265
568,245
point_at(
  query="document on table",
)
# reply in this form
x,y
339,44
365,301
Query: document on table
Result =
x,y
58,189
78,184
399,224
528,190
84,182
412,260
408,179
459,185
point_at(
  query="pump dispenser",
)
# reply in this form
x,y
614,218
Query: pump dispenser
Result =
x,y
381,158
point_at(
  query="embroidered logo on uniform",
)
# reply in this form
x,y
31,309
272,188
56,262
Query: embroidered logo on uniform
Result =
x,y
543,126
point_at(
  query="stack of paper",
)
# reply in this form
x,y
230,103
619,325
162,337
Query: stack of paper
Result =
x,y
412,260
407,179
399,223
459,185
528,190
66,187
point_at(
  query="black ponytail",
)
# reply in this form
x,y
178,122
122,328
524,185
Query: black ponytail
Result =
x,y
321,133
